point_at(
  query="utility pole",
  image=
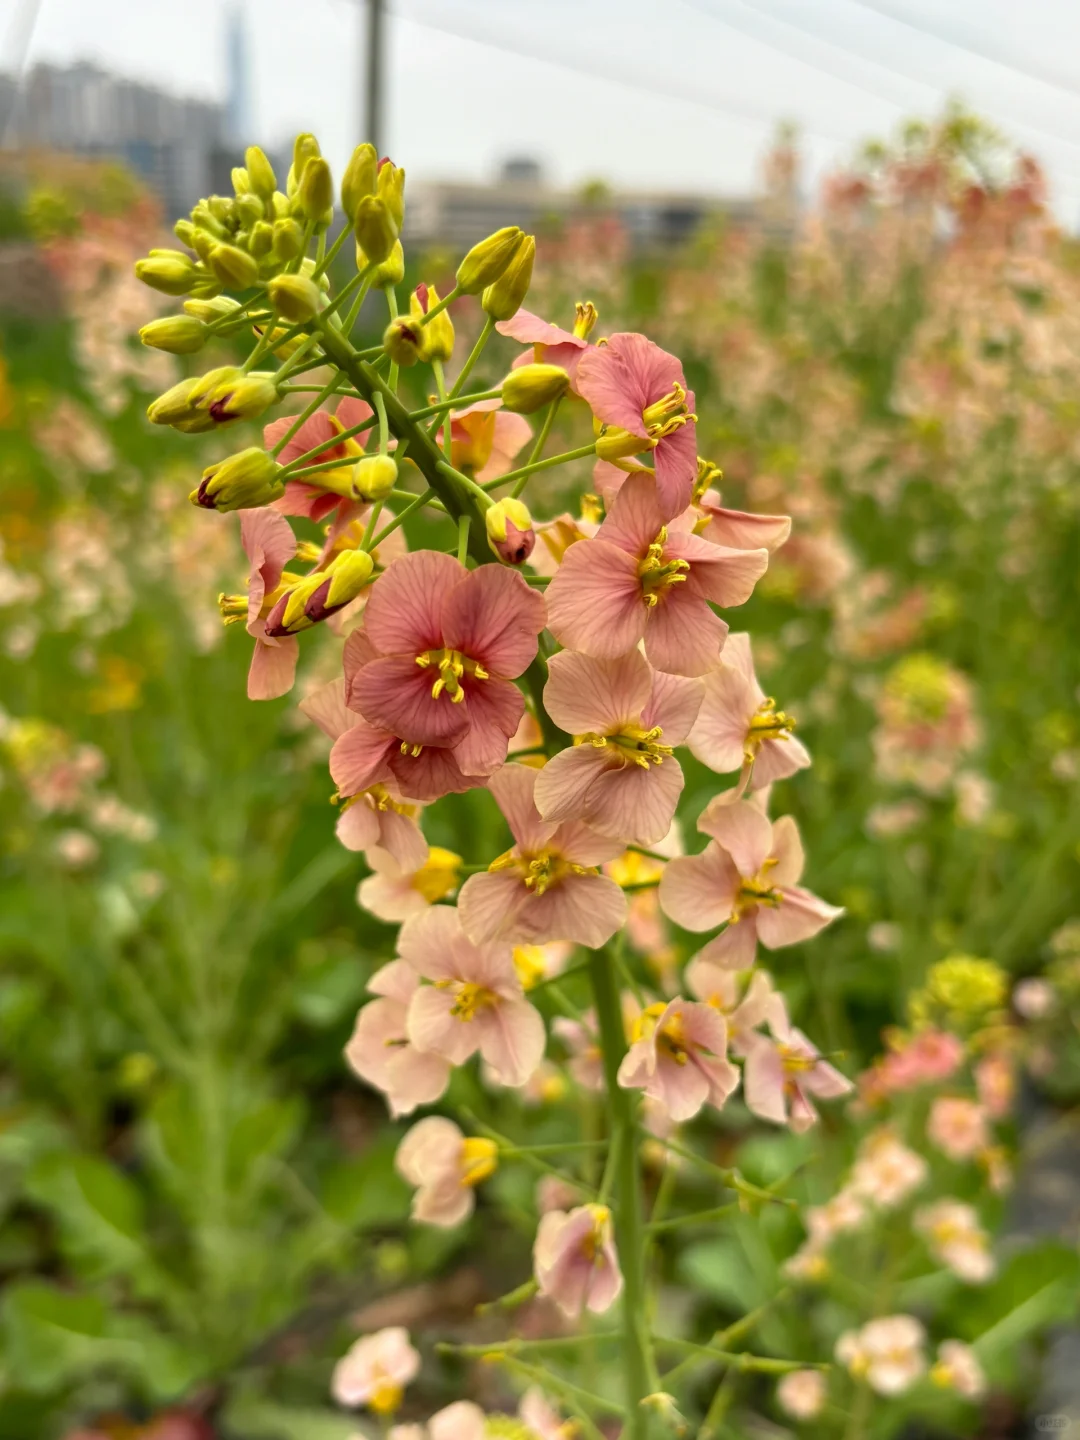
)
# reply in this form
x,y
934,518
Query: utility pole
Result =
x,y
374,64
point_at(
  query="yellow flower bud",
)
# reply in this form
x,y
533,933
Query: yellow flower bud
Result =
x,y
294,297
221,208
288,239
390,189
374,476
217,309
203,386
390,272
241,182
487,260
315,193
169,271
402,339
531,386
184,230
203,241
233,266
376,233
510,530
321,593
249,209
241,397
243,481
305,148
437,336
504,297
261,239
203,218
360,178
178,334
260,172
174,405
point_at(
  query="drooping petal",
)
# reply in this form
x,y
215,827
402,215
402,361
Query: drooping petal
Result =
x,y
584,694
513,1041
358,827
799,916
743,831
726,577
513,787
741,530
562,786
675,464
777,759
787,851
635,804
404,614
673,705
269,544
494,617
735,948
698,891
326,707
682,635
273,668
594,603
529,329
763,1081
401,837
720,732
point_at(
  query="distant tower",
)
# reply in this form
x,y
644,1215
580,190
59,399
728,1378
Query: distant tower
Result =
x,y
238,125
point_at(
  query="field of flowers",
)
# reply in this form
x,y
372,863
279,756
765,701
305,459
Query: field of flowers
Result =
x,y
551,1160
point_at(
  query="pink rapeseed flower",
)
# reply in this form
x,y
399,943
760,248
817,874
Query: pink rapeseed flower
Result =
x,y
679,1058
377,818
575,1261
633,386
445,1167
958,1127
551,345
783,1072
448,644
744,1008
955,1238
740,529
380,1050
620,776
474,1001
748,877
375,1371
316,497
485,438
269,544
739,727
460,1421
393,893
648,578
888,1353
545,887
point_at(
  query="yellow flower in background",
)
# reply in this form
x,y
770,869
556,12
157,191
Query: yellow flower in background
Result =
x,y
120,688
962,990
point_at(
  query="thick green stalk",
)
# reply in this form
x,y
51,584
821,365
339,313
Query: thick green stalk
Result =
x,y
638,1363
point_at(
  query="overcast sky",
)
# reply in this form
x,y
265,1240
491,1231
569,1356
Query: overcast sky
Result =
x,y
673,94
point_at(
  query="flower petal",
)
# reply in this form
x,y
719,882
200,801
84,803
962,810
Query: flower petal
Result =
x,y
682,635
395,693
698,891
513,1041
594,602
562,786
404,614
273,668
494,617
513,787
673,706
586,694
743,831
359,758
326,706
799,916
636,804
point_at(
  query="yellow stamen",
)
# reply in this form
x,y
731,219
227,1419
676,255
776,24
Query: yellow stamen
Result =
x,y
657,574
479,1159
469,998
386,1397
452,667
767,723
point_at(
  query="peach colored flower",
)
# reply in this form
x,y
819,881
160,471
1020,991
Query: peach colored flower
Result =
x,y
380,1050
744,1006
622,778
801,1394
739,529
375,1371
885,1171
747,878
269,544
445,1167
393,893
474,1001
678,1056
957,1368
317,496
647,578
888,1353
957,1127
551,345
460,1421
955,1238
782,1073
485,438
545,887
575,1262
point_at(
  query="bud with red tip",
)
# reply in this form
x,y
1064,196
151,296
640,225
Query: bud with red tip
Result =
x,y
510,531
320,594
242,482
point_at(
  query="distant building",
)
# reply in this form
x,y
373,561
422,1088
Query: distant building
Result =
x,y
458,215
176,145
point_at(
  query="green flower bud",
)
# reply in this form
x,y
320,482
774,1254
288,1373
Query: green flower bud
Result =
x,y
359,179
531,386
487,260
203,218
402,340
376,233
233,266
174,405
305,148
391,191
288,239
169,271
241,182
183,230
241,397
280,206
208,310
504,296
221,208
202,242
261,240
260,172
249,208
390,272
294,297
242,482
437,336
205,287
374,476
178,334
315,193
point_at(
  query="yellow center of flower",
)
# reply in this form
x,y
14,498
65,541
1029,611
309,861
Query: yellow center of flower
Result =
x,y
379,798
592,1243
657,575
452,667
234,608
439,874
666,415
632,744
479,1159
469,998
386,1396
755,892
767,723
671,1037
540,870
795,1063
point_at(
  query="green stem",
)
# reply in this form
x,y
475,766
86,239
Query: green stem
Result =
x,y
639,1368
400,518
730,1177
306,414
538,448
697,1217
445,403
474,356
330,256
534,466
440,307
572,1396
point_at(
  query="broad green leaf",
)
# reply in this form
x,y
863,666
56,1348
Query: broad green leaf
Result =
x,y
261,1420
98,1209
51,1336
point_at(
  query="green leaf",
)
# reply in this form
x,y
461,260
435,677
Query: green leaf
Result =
x,y
246,1415
98,1209
720,1269
51,1336
367,1192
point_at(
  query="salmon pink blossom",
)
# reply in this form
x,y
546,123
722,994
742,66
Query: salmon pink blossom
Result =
x,y
375,1371
317,496
747,877
485,438
739,529
801,1394
739,727
744,1007
445,1167
888,1353
955,1238
648,578
638,391
269,544
474,1002
545,887
442,648
380,1051
393,893
957,1127
620,776
957,1368
783,1071
575,1262
460,1421
679,1058
551,345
